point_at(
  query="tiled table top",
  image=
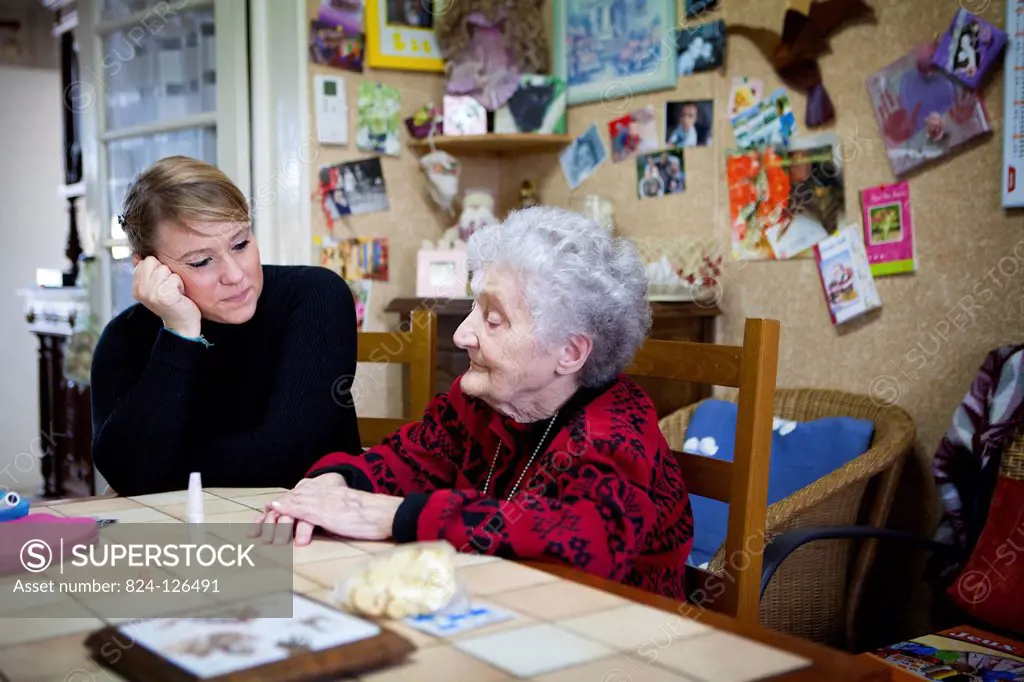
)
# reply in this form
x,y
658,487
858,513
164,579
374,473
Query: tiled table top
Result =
x,y
562,630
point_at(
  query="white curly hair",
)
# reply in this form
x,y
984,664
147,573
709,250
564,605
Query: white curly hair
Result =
x,y
576,278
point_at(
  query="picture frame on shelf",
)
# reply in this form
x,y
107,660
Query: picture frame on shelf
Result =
x,y
596,63
442,273
400,35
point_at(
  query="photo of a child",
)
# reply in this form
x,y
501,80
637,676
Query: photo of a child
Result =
x,y
632,134
688,123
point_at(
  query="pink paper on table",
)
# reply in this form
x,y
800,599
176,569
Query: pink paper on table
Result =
x,y
19,535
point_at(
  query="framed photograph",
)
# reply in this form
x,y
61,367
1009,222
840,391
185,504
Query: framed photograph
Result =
x,y
442,273
400,35
606,51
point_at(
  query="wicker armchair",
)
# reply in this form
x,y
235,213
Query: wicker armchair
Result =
x,y
815,594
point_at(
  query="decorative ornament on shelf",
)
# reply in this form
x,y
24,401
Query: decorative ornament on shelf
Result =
x,y
428,120
477,212
528,195
805,37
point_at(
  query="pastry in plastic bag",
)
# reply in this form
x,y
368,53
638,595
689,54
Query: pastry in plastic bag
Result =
x,y
411,580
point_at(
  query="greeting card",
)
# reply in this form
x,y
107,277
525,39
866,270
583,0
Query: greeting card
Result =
x,y
924,114
968,48
888,229
463,115
845,275
377,120
769,122
538,106
743,94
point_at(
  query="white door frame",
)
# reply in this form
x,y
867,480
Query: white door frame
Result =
x,y
282,146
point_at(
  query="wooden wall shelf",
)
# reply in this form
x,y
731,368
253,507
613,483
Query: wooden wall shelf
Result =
x,y
495,143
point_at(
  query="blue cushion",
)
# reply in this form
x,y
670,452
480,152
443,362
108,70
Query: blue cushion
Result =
x,y
802,452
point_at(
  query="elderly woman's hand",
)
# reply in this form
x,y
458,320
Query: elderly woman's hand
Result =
x,y
275,527
339,510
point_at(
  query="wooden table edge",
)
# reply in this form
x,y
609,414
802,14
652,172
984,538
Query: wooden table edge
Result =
x,y
829,664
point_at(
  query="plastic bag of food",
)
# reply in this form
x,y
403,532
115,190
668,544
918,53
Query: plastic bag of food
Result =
x,y
410,580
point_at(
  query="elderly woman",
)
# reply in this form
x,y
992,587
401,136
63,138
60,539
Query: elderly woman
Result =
x,y
542,449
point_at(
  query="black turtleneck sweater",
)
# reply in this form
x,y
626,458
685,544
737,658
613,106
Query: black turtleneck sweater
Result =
x,y
256,408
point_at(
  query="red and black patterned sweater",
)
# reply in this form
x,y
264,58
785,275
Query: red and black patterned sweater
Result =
x,y
605,496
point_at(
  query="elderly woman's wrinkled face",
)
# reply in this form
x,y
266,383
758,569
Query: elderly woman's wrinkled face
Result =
x,y
508,365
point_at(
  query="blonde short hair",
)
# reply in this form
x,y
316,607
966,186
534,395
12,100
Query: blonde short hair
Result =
x,y
178,189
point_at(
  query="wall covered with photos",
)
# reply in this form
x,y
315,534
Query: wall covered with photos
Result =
x,y
919,350
408,216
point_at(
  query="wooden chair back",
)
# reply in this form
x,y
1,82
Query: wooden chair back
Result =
x,y
416,349
742,483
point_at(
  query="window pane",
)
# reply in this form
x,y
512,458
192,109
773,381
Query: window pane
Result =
x,y
121,273
128,157
162,69
118,9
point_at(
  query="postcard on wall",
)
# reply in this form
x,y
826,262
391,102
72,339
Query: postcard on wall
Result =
x,y
889,229
700,48
362,290
633,134
967,50
363,258
743,94
537,106
661,172
769,122
582,157
783,201
336,36
923,115
353,188
845,275
377,121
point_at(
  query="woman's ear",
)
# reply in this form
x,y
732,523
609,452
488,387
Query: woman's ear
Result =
x,y
575,354
136,260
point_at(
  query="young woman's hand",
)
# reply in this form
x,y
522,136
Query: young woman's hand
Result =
x,y
163,292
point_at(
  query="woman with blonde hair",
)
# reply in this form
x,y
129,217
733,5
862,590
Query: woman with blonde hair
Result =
x,y
237,370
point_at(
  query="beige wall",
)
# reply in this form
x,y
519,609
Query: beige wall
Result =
x,y
33,222
963,234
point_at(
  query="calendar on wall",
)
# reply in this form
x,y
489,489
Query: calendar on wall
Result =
x,y
1013,107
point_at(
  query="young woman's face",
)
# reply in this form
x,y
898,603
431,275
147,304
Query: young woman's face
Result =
x,y
219,263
